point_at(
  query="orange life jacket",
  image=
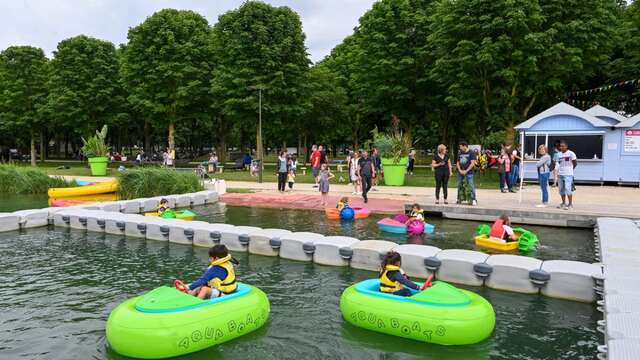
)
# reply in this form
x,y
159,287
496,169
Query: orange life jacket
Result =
x,y
497,230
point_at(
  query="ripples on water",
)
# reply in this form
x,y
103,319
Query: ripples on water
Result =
x,y
59,287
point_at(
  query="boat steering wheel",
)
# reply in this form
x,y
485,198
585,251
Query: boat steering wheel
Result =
x,y
427,284
180,286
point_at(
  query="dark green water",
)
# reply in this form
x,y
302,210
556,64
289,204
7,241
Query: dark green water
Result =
x,y
60,285
557,243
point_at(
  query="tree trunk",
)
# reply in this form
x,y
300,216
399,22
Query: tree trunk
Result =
x,y
222,141
33,149
43,153
171,137
66,145
299,145
147,135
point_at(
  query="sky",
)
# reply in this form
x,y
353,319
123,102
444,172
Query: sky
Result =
x,y
44,23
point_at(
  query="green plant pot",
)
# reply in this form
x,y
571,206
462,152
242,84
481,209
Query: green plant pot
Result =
x,y
394,172
98,165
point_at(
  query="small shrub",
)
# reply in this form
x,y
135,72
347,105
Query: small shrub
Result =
x,y
27,180
149,182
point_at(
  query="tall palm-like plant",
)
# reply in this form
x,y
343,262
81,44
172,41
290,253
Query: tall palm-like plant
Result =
x,y
96,145
394,143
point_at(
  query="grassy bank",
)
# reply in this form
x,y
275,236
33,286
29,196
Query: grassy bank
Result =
x,y
148,182
27,180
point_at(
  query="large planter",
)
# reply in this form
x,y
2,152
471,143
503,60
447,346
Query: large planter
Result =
x,y
98,165
394,172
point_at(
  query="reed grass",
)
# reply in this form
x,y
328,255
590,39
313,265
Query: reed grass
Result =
x,y
149,182
28,180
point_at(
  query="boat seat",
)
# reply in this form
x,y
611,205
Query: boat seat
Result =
x,y
166,299
427,297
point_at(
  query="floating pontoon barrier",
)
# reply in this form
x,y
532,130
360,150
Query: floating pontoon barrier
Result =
x,y
32,218
237,238
183,232
266,242
334,250
131,206
457,266
209,235
511,273
198,199
619,251
9,222
368,254
299,246
183,201
149,204
413,258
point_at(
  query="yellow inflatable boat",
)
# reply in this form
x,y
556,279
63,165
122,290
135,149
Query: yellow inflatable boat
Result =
x,y
99,188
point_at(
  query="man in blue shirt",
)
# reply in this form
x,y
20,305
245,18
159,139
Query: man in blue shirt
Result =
x,y
466,162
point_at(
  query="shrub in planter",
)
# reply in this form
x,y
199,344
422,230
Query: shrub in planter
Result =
x,y
394,146
97,151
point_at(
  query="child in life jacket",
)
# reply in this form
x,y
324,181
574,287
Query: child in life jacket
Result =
x,y
502,230
343,203
164,206
392,278
219,279
416,213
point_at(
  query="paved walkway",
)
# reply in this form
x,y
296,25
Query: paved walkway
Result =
x,y
593,200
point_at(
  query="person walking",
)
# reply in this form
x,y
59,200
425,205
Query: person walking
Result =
x,y
504,170
315,163
567,163
282,167
377,164
367,172
555,158
516,157
464,165
353,172
441,165
323,183
412,161
543,165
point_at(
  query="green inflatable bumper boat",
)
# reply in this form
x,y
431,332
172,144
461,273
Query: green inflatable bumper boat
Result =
x,y
441,314
166,322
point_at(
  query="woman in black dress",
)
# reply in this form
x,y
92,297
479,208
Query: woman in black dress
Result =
x,y
442,168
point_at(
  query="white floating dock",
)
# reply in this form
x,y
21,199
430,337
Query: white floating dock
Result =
x,y
334,250
299,246
618,244
367,254
413,258
210,235
32,218
237,238
511,273
266,242
457,266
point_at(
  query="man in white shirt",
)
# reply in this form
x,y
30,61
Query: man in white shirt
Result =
x,y
566,163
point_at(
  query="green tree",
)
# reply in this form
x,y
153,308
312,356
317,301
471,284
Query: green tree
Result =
x,y
166,67
23,91
504,57
84,88
327,108
626,65
259,47
392,61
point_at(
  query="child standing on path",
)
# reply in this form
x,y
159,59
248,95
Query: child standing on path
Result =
x,y
291,178
323,183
